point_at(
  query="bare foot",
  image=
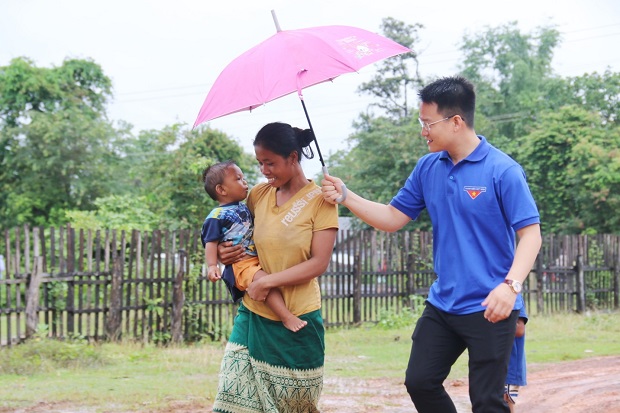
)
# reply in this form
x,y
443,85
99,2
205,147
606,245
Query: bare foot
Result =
x,y
294,323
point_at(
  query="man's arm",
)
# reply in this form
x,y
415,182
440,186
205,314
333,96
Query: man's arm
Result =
x,y
381,216
501,300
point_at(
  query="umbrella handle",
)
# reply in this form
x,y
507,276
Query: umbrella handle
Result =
x,y
343,188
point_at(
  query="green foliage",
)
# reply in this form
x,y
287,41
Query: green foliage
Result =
x,y
56,145
381,158
63,161
166,167
392,82
573,164
57,295
42,355
390,319
160,334
511,71
120,212
26,90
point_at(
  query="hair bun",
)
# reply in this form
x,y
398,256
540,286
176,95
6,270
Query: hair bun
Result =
x,y
304,136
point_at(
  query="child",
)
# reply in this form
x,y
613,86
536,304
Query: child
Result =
x,y
516,366
232,221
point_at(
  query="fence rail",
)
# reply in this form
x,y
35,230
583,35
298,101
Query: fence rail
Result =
x,y
151,285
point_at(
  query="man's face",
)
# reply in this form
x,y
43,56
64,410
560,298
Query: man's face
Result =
x,y
436,129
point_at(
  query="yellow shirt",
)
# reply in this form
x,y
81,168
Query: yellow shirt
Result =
x,y
283,237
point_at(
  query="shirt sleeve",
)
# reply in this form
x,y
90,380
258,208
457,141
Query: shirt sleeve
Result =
x,y
326,216
517,200
410,198
211,231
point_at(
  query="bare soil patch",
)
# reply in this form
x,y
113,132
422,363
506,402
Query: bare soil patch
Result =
x,y
590,385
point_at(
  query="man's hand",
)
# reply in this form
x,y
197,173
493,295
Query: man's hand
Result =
x,y
332,188
499,303
229,253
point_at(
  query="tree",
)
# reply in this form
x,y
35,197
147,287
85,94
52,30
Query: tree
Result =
x,y
55,141
572,161
512,73
165,167
393,80
26,89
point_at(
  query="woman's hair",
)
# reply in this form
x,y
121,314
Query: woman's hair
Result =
x,y
282,139
453,96
214,175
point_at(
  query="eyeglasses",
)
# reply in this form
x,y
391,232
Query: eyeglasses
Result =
x,y
427,126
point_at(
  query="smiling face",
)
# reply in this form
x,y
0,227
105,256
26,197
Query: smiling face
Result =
x,y
439,136
277,169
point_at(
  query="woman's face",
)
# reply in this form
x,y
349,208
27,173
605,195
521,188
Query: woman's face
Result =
x,y
277,169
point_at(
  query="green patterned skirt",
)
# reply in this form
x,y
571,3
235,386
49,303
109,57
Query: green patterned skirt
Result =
x,y
267,368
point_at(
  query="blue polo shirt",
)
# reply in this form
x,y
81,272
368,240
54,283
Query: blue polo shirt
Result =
x,y
475,208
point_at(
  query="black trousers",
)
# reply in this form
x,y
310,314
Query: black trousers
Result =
x,y
439,339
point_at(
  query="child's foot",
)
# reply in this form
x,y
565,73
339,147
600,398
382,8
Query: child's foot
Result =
x,y
294,323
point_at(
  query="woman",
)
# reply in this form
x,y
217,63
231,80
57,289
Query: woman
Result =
x,y
266,367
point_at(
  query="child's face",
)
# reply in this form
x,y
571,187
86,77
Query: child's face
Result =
x,y
234,184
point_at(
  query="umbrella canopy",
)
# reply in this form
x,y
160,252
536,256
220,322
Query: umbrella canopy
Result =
x,y
290,61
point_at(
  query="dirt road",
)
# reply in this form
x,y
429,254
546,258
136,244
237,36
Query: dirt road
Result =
x,y
591,385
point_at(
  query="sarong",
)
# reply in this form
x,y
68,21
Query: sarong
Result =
x,y
269,369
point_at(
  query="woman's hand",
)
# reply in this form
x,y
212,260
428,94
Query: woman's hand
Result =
x,y
229,253
258,290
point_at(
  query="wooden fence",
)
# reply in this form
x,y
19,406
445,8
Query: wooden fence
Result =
x,y
151,286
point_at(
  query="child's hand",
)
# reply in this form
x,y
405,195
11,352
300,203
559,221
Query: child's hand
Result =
x,y
213,273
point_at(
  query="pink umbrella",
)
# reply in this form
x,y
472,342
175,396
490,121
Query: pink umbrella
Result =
x,y
289,61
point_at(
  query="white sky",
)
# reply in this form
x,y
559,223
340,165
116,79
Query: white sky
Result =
x,y
163,55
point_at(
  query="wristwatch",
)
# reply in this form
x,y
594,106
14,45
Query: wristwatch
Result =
x,y
515,286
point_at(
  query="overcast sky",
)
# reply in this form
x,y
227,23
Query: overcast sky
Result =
x,y
163,55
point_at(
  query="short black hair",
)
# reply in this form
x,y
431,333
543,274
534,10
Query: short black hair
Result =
x,y
453,95
214,175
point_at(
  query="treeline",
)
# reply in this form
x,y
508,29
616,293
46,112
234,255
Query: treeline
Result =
x,y
63,161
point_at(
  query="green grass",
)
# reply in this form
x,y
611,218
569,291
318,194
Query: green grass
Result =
x,y
134,377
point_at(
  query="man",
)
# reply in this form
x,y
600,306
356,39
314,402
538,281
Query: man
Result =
x,y
477,198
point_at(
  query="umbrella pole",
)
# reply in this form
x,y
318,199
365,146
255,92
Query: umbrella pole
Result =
x,y
313,134
343,187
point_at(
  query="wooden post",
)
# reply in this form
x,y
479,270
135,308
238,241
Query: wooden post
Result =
x,y
32,299
411,280
178,300
616,280
540,294
357,289
581,285
70,308
113,323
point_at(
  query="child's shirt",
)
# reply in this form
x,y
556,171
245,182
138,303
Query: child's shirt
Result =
x,y
230,222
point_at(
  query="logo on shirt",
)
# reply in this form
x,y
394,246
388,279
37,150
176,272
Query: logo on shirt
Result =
x,y
474,191
299,205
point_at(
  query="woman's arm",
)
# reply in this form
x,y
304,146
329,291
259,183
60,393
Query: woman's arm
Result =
x,y
320,251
